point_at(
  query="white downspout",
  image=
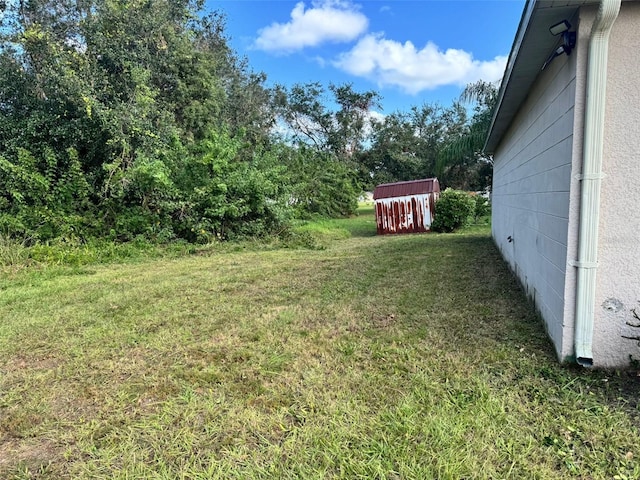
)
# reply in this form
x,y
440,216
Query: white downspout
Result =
x,y
591,179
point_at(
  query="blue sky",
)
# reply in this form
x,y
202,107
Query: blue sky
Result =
x,y
411,52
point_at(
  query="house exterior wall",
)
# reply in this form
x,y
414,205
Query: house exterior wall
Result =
x,y
531,194
618,274
536,196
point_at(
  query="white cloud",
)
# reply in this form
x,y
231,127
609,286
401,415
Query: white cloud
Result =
x,y
371,117
321,61
391,63
375,116
326,21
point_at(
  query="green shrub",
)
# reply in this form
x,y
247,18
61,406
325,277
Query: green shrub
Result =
x,y
453,210
482,208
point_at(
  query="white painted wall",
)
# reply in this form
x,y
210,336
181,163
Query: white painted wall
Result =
x,y
536,193
531,191
618,274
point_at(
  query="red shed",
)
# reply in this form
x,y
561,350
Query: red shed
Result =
x,y
406,207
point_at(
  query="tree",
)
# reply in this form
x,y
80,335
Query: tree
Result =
x,y
326,144
303,116
109,95
406,145
351,119
462,164
308,121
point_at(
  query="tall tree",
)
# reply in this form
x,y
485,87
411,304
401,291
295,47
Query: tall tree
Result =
x,y
327,141
110,94
307,119
351,119
462,164
406,145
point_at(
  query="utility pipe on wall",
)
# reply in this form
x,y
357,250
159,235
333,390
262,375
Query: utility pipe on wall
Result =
x,y
591,179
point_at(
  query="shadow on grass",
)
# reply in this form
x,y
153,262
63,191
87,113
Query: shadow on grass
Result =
x,y
360,225
361,229
460,286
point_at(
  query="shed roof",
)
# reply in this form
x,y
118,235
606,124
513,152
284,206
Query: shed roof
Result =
x,y
531,48
402,189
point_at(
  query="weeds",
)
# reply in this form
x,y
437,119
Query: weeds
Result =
x,y
12,252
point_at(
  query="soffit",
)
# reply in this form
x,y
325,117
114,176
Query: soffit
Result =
x,y
531,48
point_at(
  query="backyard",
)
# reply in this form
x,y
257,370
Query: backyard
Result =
x,y
390,357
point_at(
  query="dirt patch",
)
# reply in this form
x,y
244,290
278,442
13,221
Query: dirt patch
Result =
x,y
32,454
34,362
384,321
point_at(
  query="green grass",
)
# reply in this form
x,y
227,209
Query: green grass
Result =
x,y
326,231
394,357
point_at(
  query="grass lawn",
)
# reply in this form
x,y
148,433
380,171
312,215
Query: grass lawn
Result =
x,y
396,357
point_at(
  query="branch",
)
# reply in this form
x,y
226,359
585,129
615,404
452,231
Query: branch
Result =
x,y
631,338
635,314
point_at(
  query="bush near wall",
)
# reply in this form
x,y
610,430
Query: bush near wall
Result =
x,y
482,208
453,211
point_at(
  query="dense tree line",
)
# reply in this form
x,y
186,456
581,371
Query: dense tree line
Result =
x,y
126,118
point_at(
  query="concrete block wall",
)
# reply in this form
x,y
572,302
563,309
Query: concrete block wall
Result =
x,y
531,189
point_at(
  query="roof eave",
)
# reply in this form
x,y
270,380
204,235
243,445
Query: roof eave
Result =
x,y
531,48
513,55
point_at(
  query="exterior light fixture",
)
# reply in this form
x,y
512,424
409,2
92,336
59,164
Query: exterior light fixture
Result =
x,y
559,28
568,40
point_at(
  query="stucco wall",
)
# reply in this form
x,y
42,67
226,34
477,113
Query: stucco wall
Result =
x,y
531,190
618,274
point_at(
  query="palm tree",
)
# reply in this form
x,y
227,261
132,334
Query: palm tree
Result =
x,y
462,164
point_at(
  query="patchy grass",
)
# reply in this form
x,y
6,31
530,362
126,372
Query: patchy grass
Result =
x,y
410,357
